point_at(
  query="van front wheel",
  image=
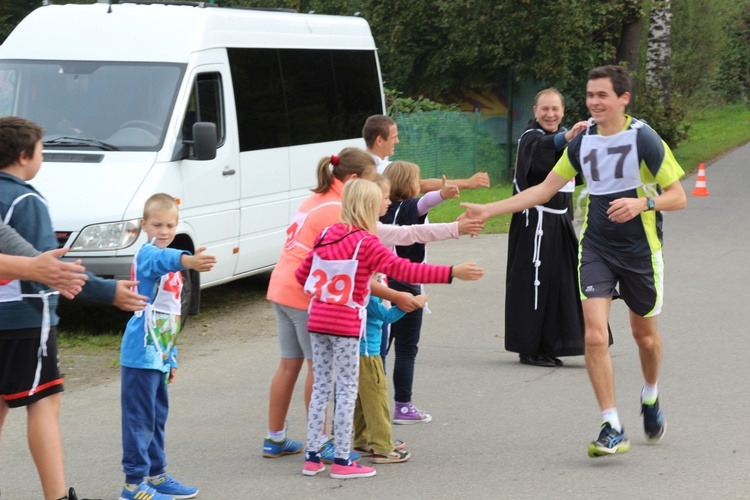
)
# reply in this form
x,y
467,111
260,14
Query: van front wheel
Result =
x,y
190,299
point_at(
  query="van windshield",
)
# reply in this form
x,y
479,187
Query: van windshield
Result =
x,y
92,105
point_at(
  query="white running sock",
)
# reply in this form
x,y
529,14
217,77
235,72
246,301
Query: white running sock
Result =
x,y
278,436
610,415
649,394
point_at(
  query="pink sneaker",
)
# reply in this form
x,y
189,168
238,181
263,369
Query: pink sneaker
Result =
x,y
351,471
312,468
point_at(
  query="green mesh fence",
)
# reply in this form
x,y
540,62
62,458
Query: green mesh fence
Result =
x,y
452,143
458,144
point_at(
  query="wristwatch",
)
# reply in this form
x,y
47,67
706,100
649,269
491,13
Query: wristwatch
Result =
x,y
650,205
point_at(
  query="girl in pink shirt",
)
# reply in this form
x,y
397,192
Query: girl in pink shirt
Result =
x,y
337,274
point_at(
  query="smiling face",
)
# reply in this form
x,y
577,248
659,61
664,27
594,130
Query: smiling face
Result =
x,y
605,106
388,146
160,226
549,111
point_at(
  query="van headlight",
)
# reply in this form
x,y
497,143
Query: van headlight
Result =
x,y
110,236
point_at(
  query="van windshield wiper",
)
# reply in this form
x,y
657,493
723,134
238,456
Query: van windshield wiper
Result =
x,y
68,141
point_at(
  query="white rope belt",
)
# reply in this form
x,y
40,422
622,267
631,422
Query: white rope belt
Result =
x,y
538,245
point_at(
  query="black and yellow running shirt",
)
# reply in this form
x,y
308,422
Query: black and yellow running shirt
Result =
x,y
632,163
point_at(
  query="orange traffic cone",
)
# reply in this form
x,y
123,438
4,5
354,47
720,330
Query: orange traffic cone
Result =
x,y
700,182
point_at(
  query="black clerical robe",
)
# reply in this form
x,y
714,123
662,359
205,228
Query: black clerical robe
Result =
x,y
543,313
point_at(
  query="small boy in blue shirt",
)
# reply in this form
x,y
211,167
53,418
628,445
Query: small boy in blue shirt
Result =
x,y
372,420
149,357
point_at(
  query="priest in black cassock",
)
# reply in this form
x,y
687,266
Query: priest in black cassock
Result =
x,y
543,314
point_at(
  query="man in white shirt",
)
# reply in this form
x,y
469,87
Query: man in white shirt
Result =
x,y
381,136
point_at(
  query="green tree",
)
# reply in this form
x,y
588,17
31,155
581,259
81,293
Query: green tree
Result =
x,y
734,69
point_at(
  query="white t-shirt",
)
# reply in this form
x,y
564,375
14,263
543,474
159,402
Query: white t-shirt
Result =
x,y
380,163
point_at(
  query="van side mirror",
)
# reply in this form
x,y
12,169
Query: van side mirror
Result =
x,y
204,141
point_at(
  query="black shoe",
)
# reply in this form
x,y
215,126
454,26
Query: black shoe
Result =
x,y
72,496
557,361
537,360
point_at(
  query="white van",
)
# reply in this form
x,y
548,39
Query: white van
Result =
x,y
228,110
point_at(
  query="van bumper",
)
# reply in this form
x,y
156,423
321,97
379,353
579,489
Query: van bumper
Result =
x,y
106,267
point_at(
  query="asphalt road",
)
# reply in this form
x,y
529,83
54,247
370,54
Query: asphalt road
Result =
x,y
500,429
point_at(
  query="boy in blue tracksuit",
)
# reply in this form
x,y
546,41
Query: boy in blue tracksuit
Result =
x,y
148,354
29,372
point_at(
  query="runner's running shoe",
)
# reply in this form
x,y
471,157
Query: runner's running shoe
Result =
x,y
609,442
653,421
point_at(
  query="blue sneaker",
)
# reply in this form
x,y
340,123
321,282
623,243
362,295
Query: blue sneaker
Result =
x,y
142,491
609,442
172,488
653,421
273,449
328,450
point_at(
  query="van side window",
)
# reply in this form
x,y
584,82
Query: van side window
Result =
x,y
259,98
206,105
8,78
290,97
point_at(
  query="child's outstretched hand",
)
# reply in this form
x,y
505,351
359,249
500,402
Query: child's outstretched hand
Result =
x,y
470,226
448,191
467,271
479,180
200,262
422,299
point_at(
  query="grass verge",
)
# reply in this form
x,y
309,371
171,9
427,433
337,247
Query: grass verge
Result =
x,y
713,133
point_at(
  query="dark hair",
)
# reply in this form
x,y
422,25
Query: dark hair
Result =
x,y
617,74
17,136
550,90
350,161
376,126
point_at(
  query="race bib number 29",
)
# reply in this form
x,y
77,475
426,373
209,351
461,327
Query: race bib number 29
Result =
x,y
332,281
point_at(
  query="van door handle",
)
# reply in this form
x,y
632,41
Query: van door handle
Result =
x,y
228,171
